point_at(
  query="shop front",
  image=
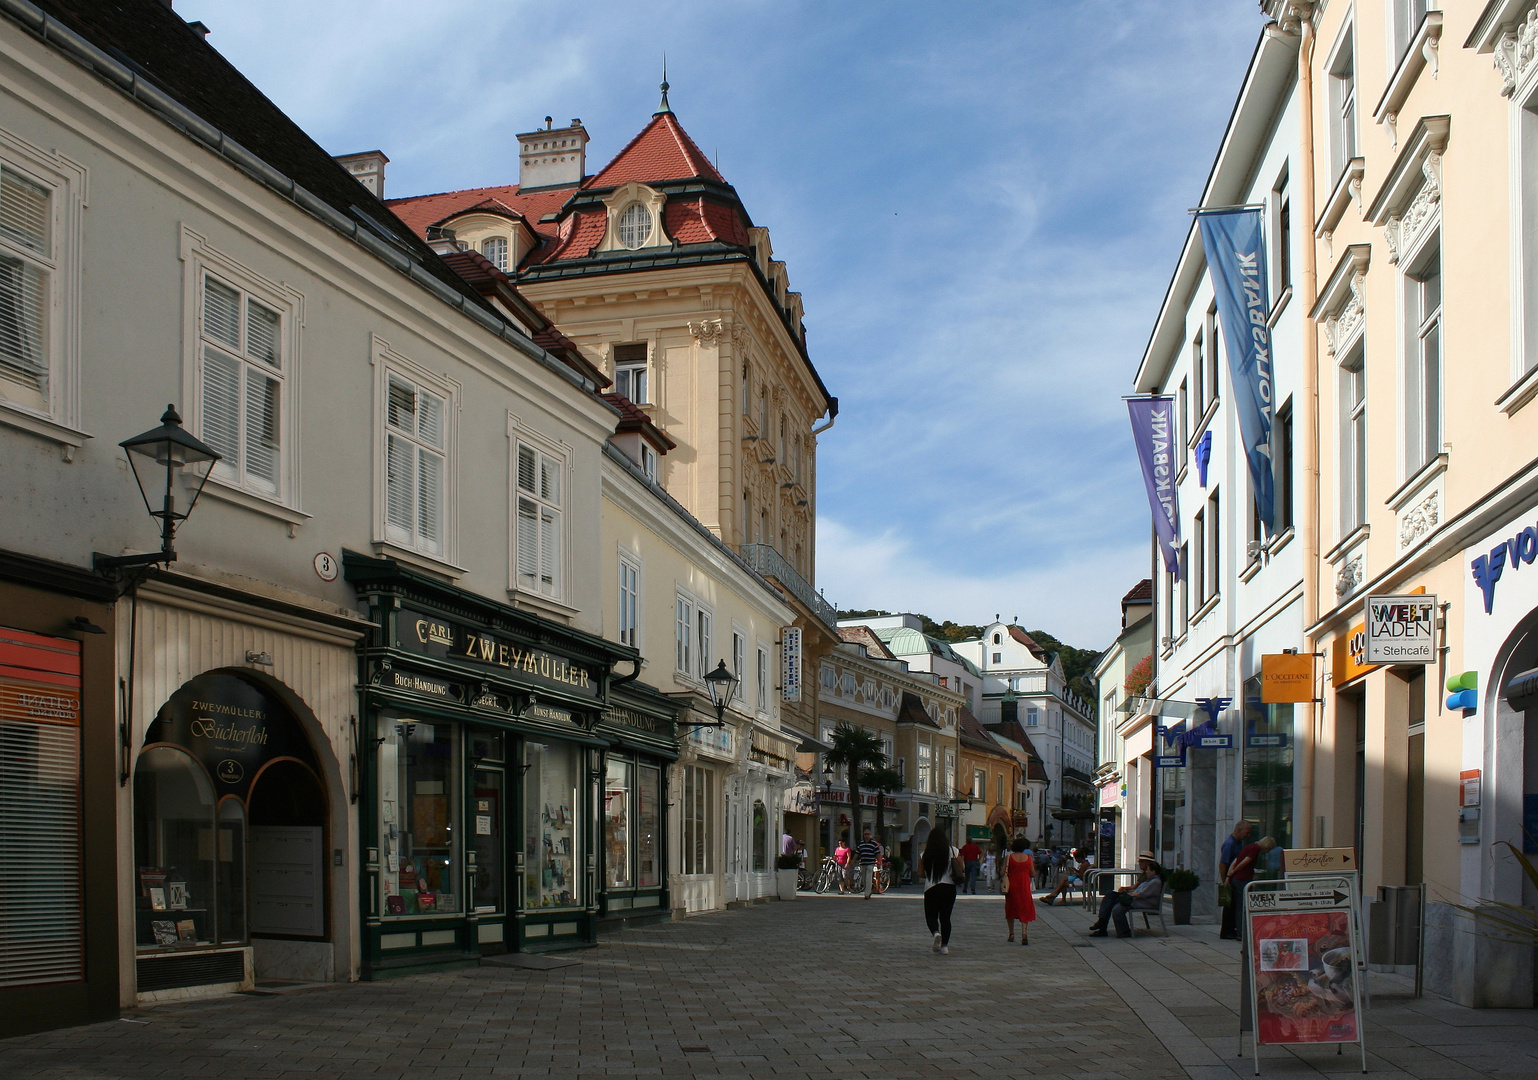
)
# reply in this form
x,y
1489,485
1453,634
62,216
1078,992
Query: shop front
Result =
x,y
481,772
639,726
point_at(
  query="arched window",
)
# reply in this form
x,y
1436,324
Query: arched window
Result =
x,y
760,837
635,225
495,250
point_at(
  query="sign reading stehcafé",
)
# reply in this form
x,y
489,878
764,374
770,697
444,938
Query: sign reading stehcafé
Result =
x,y
433,635
1401,629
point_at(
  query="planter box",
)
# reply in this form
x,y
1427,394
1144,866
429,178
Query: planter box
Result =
x,y
1181,901
785,881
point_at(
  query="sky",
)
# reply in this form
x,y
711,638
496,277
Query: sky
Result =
x,y
981,203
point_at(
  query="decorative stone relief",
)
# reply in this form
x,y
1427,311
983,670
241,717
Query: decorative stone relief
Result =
x,y
1506,62
1418,521
739,334
1342,327
707,331
1391,238
1349,576
1526,46
1425,202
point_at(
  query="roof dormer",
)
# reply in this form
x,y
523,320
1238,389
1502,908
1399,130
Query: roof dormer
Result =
x,y
633,218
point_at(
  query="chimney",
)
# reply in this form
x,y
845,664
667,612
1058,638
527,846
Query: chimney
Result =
x,y
552,156
367,168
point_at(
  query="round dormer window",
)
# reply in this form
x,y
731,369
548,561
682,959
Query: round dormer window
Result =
x,y
635,225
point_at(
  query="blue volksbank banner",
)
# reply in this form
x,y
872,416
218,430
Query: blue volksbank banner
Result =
x,y
1235,244
1153,432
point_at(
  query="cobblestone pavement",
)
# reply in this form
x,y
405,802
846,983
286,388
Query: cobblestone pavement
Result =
x,y
822,987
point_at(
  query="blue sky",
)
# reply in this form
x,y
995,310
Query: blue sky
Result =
x,y
981,203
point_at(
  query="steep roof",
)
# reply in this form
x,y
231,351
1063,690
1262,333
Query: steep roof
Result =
x,y
420,211
864,635
1030,643
911,711
662,150
906,641
976,737
161,50
631,418
1140,592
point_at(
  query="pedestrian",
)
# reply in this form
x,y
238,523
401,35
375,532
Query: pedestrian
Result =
x,y
787,844
1146,895
971,858
1019,873
990,867
1073,871
841,857
1226,858
1242,872
869,852
942,873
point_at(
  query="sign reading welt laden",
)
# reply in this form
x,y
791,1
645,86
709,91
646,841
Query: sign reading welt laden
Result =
x,y
1401,629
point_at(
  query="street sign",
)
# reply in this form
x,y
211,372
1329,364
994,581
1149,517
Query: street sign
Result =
x,y
1297,901
1401,629
1318,860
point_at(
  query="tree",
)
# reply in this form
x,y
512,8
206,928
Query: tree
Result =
x,y
884,781
855,750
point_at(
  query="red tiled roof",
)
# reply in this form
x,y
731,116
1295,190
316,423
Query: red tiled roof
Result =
x,y
977,737
696,221
420,211
579,234
632,418
661,151
1029,642
1143,590
864,635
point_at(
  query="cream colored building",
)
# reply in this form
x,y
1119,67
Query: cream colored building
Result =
x,y
689,603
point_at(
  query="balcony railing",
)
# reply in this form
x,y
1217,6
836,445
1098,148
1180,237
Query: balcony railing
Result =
x,y
769,562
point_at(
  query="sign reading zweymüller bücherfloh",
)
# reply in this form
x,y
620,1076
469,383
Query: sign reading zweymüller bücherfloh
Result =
x,y
1401,629
437,636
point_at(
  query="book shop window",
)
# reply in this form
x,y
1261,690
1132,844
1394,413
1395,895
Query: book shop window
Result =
x,y
552,818
418,817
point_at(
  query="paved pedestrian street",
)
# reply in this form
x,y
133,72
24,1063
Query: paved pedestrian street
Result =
x,y
823,987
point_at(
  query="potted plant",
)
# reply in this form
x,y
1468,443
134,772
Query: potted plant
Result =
x,y
1181,883
786,867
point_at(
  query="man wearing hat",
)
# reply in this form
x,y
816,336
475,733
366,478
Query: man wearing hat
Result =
x,y
1146,895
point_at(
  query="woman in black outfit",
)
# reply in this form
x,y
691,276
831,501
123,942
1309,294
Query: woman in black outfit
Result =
x,y
943,871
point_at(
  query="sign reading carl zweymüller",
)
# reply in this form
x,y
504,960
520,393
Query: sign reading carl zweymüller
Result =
x,y
436,636
1401,629
233,727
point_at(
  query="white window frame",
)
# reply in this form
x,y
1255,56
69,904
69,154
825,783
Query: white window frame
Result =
x,y
387,361
765,678
683,636
488,247
561,455
740,661
704,637
1352,437
629,605
200,261
829,677
1423,431
626,374
925,775
1344,103
57,415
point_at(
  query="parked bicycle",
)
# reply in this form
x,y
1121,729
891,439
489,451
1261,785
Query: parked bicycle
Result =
x,y
829,876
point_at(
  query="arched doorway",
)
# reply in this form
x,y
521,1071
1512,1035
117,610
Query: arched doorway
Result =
x,y
230,820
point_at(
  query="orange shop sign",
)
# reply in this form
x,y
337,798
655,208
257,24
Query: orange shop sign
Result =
x,y
1349,656
1286,677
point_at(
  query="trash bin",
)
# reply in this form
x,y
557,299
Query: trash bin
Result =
x,y
1394,928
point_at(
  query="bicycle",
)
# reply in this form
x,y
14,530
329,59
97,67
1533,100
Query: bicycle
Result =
x,y
829,875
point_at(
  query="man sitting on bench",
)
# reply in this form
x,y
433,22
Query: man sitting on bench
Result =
x,y
1146,895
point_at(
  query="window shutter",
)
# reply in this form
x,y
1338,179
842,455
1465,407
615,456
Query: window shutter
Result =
x,y
528,544
221,405
430,499
399,484
23,211
221,313
261,333
262,428
23,304
549,558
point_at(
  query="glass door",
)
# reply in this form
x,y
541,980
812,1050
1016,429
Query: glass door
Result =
x,y
487,840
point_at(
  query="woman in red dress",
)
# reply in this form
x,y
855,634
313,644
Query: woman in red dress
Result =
x,y
1019,905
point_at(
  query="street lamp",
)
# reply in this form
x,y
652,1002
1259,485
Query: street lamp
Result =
x,y
721,685
157,456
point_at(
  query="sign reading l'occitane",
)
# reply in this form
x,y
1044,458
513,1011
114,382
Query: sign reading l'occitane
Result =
x,y
1349,656
1286,677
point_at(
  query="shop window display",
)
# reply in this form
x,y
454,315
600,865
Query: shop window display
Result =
x,y
648,822
418,818
618,838
189,853
1268,768
551,812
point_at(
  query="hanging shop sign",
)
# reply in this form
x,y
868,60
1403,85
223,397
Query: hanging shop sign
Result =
x,y
233,727
1286,678
790,663
1171,737
433,635
1349,656
1301,963
1401,629
1317,860
1514,552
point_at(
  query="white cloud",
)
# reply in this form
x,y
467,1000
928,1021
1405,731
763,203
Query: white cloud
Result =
x,y
1076,597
